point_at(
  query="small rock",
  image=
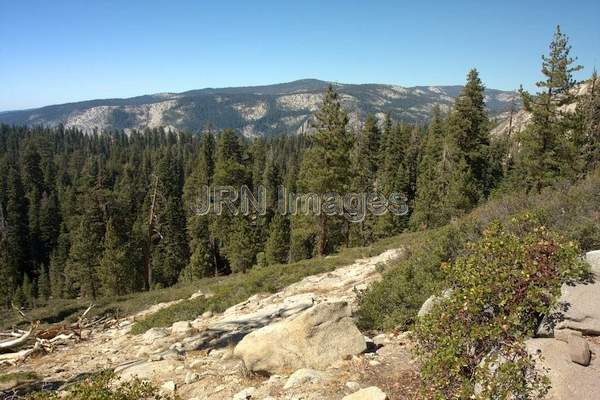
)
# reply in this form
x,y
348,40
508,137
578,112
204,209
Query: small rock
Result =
x,y
177,347
370,393
181,328
432,301
374,363
207,314
245,394
124,323
191,377
197,363
156,357
404,336
221,354
153,334
381,340
302,376
199,293
564,334
168,387
353,386
579,350
172,355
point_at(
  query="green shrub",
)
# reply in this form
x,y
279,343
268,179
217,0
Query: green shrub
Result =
x,y
500,290
393,302
106,386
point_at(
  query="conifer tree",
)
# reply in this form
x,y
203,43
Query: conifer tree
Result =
x,y
170,256
386,132
201,264
365,165
202,261
428,196
19,299
469,125
586,127
16,229
27,289
43,284
395,174
33,182
113,266
227,227
81,270
49,224
277,247
326,164
58,259
7,272
240,249
545,152
445,186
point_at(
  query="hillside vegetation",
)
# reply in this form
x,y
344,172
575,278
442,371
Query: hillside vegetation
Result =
x,y
572,210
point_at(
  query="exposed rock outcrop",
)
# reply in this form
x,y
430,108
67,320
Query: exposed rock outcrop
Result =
x,y
202,366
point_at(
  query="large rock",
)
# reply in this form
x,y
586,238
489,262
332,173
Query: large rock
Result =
x,y
370,393
569,380
582,303
313,339
583,312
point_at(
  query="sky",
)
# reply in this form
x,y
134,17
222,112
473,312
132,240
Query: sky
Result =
x,y
63,51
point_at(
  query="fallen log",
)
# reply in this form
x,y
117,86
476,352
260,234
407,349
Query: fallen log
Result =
x,y
14,358
9,344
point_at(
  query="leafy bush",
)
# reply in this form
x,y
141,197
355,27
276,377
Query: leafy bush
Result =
x,y
106,387
471,344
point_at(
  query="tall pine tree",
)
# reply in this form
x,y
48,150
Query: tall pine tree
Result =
x,y
326,164
545,153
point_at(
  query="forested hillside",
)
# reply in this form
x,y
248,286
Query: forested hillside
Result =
x,y
113,213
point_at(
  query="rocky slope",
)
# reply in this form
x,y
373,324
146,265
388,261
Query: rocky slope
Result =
x,y
254,111
299,343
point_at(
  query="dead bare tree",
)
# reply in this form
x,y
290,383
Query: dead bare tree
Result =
x,y
153,235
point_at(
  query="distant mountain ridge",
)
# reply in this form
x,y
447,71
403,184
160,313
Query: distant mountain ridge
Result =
x,y
252,110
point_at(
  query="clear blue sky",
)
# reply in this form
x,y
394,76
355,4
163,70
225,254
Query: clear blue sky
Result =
x,y
60,51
